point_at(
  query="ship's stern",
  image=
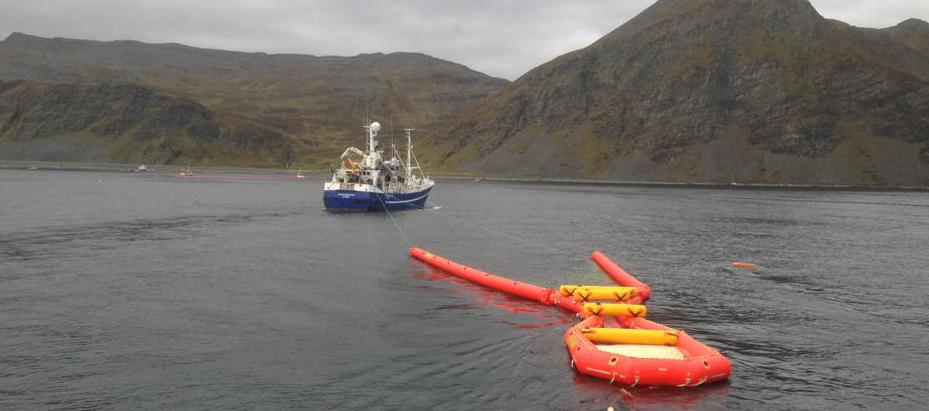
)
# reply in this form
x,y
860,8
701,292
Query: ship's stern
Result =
x,y
339,198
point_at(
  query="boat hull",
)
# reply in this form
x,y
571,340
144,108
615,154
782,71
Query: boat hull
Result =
x,y
356,200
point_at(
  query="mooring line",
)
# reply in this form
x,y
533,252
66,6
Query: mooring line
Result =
x,y
396,224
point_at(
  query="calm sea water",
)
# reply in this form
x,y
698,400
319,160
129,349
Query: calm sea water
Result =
x,y
143,291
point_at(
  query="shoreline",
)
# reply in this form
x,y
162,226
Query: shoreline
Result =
x,y
126,168
669,184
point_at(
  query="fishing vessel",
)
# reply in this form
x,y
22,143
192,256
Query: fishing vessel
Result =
x,y
366,181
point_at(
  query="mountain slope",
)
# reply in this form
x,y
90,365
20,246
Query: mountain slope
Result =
x,y
125,123
756,91
317,103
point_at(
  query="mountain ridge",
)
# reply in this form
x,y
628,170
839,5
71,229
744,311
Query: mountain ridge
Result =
x,y
316,103
713,91
20,39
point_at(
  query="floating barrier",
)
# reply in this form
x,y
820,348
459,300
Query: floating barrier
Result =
x,y
636,352
597,293
620,276
532,292
637,355
615,310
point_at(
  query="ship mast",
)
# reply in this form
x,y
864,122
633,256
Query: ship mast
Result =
x,y
367,139
372,158
409,151
371,133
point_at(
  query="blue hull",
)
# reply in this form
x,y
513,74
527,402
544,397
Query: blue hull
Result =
x,y
364,201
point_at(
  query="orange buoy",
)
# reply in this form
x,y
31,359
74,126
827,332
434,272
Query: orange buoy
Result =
x,y
737,264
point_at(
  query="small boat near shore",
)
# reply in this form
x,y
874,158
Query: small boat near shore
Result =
x,y
365,181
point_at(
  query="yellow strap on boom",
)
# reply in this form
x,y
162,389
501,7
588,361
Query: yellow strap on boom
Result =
x,y
630,336
598,293
615,310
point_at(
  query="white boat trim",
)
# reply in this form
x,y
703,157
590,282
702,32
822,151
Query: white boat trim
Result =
x,y
408,201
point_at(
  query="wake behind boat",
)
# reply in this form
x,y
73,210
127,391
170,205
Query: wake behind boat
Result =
x,y
373,184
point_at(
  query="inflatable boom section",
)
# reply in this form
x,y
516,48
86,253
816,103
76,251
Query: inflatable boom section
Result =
x,y
621,277
532,292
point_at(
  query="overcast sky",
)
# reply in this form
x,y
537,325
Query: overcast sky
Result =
x,y
498,37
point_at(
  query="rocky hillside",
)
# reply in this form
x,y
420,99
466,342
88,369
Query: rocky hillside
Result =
x,y
126,123
276,107
751,91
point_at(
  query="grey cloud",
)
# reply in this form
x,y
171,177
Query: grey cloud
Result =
x,y
501,38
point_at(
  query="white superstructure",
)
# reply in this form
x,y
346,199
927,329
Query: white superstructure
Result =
x,y
392,180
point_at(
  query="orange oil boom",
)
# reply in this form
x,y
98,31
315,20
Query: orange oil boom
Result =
x,y
621,277
631,350
528,291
